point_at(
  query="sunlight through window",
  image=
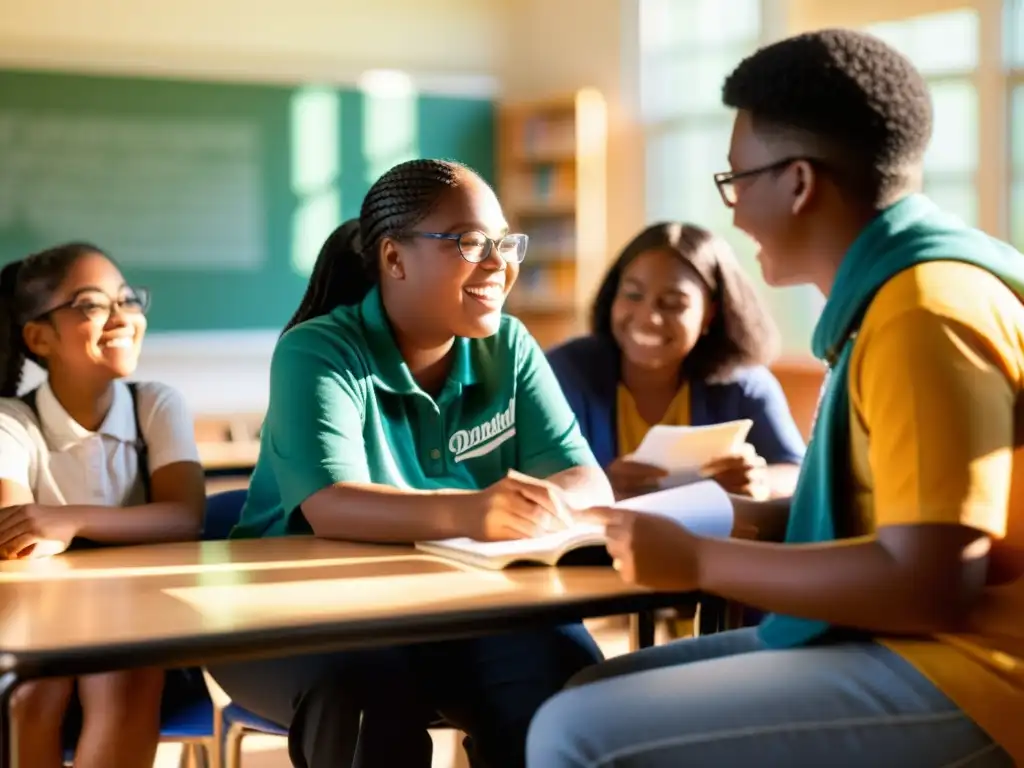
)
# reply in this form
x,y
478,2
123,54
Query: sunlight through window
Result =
x,y
390,120
315,172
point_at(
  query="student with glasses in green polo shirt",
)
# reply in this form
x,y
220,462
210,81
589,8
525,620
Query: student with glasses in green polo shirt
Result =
x,y
400,400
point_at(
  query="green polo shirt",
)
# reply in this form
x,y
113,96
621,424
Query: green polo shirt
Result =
x,y
345,408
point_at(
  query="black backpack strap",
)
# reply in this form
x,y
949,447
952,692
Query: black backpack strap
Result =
x,y
140,442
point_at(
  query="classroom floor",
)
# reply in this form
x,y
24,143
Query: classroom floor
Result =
x,y
269,751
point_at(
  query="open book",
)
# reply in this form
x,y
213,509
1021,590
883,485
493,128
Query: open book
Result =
x,y
703,507
683,451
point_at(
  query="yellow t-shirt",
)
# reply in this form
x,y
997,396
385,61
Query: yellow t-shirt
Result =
x,y
631,425
937,407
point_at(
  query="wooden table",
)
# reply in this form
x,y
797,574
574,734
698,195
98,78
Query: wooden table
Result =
x,y
203,602
229,456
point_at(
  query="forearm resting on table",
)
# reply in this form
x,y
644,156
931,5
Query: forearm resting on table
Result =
x,y
584,487
907,580
382,513
143,524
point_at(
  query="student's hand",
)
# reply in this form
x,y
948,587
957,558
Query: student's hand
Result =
x,y
742,474
34,530
650,550
516,507
631,478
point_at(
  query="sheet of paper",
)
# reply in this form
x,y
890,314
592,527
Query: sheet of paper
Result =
x,y
520,547
703,507
684,450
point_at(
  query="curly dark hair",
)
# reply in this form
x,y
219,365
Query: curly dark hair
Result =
x,y
741,332
347,267
861,101
27,287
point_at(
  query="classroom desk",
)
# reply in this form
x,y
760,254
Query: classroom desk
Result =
x,y
203,602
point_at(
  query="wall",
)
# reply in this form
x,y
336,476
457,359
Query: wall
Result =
x,y
264,40
448,47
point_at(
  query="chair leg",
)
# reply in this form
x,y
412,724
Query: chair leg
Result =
x,y
233,746
187,756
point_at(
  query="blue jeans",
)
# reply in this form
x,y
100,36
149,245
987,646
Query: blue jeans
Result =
x,y
724,700
371,708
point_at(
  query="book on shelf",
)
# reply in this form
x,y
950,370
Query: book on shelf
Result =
x,y
703,507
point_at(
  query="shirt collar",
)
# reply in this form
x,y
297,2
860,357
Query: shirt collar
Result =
x,y
63,432
390,372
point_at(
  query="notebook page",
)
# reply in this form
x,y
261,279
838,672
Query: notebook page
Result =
x,y
549,542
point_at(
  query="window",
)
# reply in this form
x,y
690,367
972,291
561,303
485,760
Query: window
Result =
x,y
315,172
687,48
944,47
1015,57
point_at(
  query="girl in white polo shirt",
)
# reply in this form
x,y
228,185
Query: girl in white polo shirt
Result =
x,y
86,459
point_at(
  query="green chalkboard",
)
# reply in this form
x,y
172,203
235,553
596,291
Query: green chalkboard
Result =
x,y
216,196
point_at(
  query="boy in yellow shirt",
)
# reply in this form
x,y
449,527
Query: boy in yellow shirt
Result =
x,y
897,598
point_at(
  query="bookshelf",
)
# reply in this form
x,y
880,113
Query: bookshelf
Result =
x,y
552,185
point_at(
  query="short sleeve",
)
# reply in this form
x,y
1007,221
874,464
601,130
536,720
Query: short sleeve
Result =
x,y
937,405
314,423
547,432
167,426
16,450
774,433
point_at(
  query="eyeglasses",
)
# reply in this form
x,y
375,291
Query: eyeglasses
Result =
x,y
475,246
97,306
726,181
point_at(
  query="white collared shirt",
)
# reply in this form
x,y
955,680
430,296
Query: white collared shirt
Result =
x,y
61,462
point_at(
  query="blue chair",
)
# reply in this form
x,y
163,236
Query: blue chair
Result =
x,y
222,512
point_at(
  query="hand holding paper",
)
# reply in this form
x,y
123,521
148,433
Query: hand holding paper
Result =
x,y
682,452
742,473
650,549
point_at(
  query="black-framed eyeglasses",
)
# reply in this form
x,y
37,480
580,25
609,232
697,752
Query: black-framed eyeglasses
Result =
x,y
725,181
475,246
97,306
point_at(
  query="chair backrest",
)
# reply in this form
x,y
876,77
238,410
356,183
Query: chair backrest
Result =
x,y
222,512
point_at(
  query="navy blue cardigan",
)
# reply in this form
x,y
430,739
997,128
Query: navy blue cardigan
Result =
x,y
588,370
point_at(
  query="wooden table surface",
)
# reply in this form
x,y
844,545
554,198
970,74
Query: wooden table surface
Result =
x,y
200,602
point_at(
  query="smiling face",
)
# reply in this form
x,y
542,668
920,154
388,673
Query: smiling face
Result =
x,y
660,310
447,294
94,324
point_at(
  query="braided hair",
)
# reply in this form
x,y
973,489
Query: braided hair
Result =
x,y
26,292
347,266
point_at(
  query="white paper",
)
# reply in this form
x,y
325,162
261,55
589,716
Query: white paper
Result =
x,y
550,542
703,507
682,451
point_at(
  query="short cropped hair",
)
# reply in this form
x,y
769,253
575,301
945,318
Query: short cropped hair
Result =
x,y
847,91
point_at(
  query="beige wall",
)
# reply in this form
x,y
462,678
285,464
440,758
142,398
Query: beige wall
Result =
x,y
327,40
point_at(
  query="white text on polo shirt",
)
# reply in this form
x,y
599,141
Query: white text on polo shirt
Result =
x,y
484,438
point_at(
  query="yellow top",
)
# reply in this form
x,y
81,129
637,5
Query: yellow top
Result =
x,y
936,382
631,425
